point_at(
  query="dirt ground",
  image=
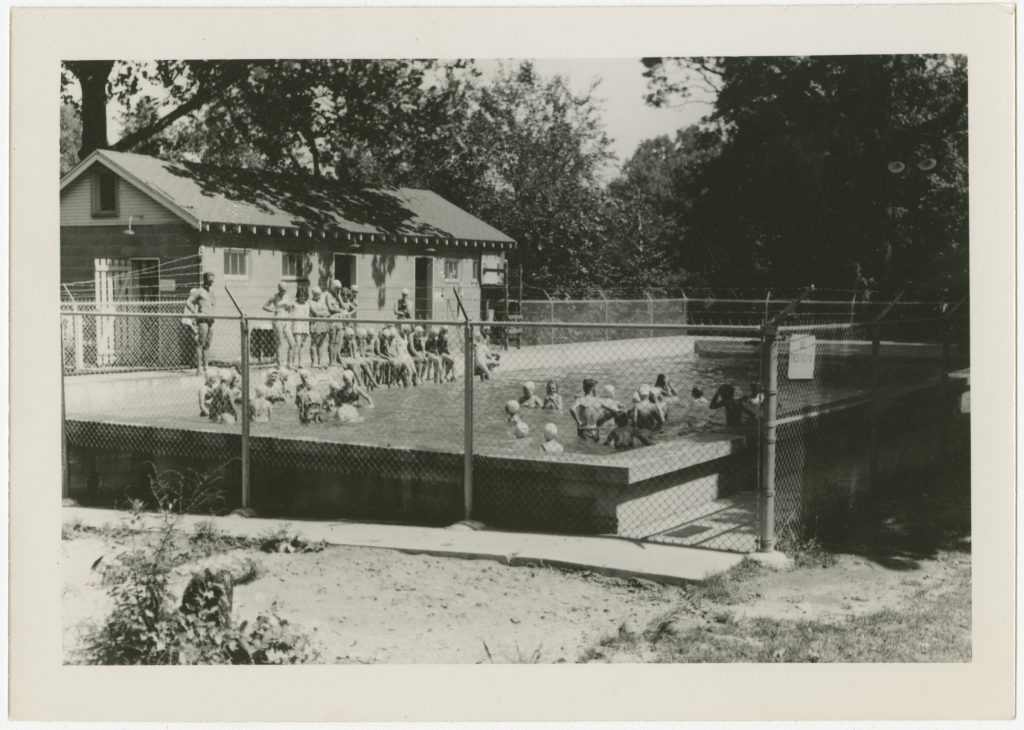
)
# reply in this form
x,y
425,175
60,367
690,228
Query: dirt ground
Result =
x,y
384,606
375,605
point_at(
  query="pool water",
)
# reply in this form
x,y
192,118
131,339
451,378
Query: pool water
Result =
x,y
431,416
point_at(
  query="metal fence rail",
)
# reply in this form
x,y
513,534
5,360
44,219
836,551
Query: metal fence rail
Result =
x,y
726,435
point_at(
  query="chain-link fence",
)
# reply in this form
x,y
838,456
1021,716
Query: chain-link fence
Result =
x,y
705,435
621,433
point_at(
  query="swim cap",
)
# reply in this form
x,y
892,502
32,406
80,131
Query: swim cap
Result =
x,y
522,430
644,391
348,376
261,391
609,391
316,290
418,329
336,284
349,332
354,287
405,291
529,385
511,407
550,430
433,329
361,332
304,374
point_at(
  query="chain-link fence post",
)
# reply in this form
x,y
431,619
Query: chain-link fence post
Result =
x,y
467,426
244,347
65,487
876,354
686,306
766,468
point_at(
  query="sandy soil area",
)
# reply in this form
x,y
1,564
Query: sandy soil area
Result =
x,y
375,605
384,606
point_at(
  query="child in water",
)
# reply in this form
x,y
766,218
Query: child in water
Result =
x,y
307,399
222,405
512,412
624,436
551,444
206,392
697,394
552,398
259,407
529,399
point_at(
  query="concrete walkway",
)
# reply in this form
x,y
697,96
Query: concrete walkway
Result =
x,y
605,555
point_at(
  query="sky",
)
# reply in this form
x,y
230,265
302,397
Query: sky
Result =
x,y
628,118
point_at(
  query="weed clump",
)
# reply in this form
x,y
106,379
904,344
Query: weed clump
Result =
x,y
146,626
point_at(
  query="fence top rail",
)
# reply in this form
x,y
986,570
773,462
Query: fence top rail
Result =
x,y
358,320
866,323
149,315
754,329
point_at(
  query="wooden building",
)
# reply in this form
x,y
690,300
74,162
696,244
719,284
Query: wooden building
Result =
x,y
130,223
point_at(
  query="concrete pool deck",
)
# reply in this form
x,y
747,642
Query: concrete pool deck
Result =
x,y
605,555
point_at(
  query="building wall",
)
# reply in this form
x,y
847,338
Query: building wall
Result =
x,y
381,273
81,246
76,206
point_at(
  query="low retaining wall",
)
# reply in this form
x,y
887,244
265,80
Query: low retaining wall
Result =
x,y
295,477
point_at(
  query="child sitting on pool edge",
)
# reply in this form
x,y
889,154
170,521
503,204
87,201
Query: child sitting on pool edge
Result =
x,y
552,398
529,399
551,444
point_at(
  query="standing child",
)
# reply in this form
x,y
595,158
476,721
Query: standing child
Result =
x,y
319,328
300,329
446,354
434,365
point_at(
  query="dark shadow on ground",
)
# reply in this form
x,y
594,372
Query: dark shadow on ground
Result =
x,y
909,518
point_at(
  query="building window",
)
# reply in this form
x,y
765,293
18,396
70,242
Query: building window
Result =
x,y
476,271
291,266
236,263
145,279
104,194
451,269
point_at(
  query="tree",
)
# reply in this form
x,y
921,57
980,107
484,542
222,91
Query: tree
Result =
x,y
70,138
312,116
842,171
529,161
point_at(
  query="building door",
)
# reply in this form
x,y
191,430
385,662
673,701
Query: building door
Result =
x,y
112,286
424,296
145,280
345,269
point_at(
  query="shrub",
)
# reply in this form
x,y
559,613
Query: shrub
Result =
x,y
145,627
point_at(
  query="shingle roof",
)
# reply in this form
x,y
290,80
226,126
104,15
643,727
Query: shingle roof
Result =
x,y
253,197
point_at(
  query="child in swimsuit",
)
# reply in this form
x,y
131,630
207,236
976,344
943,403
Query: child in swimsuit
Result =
x,y
529,399
551,444
259,407
552,398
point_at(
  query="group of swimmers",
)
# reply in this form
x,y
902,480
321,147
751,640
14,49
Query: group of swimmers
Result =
x,y
633,426
335,396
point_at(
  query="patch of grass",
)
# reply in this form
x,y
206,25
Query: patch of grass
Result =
x,y
932,627
283,541
722,587
533,657
807,552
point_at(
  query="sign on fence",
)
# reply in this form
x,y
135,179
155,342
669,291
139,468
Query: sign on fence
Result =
x,y
801,357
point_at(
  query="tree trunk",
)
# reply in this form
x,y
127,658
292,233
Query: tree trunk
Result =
x,y
92,77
